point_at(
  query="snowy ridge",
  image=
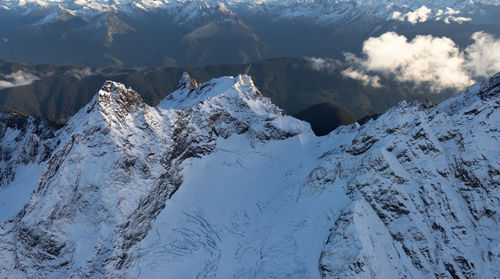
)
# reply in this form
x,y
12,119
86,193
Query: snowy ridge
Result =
x,y
320,11
426,189
216,182
117,162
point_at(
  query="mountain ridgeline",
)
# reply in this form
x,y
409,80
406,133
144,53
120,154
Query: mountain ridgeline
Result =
x,y
57,92
216,181
249,139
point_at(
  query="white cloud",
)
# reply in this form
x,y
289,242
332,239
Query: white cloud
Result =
x,y
80,73
16,79
423,14
329,65
366,80
419,15
449,15
323,64
459,19
426,60
483,56
451,11
398,15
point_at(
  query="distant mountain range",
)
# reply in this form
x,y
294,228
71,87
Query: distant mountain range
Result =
x,y
194,33
320,11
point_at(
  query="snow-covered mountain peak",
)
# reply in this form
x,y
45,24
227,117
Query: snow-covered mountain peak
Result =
x,y
115,110
232,105
191,93
117,95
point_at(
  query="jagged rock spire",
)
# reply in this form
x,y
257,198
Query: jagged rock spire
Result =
x,y
187,81
114,94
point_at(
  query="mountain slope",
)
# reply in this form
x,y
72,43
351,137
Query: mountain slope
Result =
x,y
26,142
216,182
426,192
103,145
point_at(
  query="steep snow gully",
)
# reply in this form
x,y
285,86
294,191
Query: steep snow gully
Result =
x,y
217,182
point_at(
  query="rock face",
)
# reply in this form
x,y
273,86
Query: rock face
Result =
x,y
215,182
23,140
26,143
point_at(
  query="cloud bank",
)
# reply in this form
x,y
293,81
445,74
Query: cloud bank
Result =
x,y
366,80
16,79
482,58
436,62
330,65
323,64
419,15
423,14
81,73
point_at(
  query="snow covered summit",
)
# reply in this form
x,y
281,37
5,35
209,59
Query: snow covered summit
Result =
x,y
217,182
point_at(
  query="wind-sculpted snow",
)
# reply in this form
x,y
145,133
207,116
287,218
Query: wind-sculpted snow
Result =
x,y
216,182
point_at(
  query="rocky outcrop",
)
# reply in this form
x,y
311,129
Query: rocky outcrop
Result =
x,y
23,140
